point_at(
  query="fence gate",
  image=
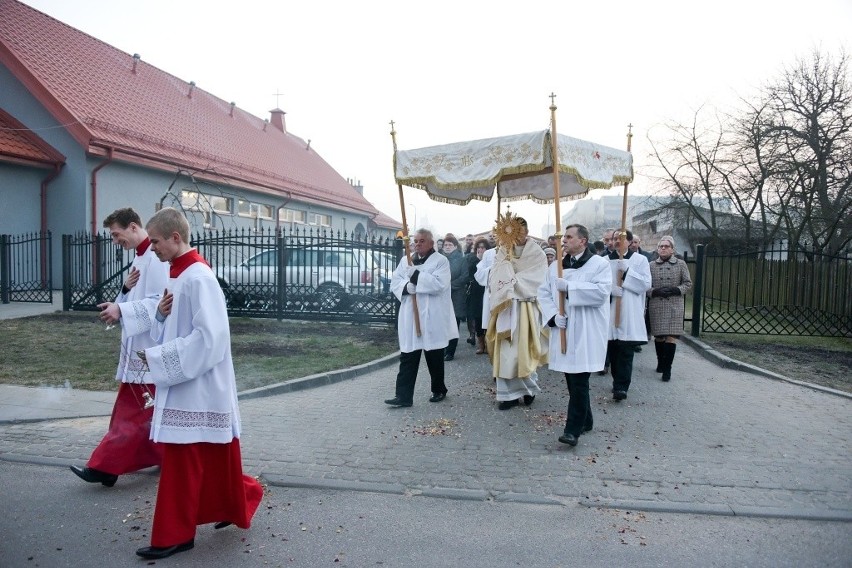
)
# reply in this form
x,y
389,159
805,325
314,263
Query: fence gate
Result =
x,y
25,268
775,291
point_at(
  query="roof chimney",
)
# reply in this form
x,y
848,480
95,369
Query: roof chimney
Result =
x,y
136,58
278,119
233,104
191,88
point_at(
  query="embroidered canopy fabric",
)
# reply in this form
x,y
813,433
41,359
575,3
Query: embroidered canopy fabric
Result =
x,y
519,165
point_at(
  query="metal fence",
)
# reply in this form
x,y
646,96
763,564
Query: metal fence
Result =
x,y
93,270
25,268
302,274
772,291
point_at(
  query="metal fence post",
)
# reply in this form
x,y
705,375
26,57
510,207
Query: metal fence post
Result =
x,y
697,293
67,265
280,276
4,269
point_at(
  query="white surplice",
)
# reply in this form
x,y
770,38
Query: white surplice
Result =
x,y
137,307
192,367
483,270
587,308
434,303
637,281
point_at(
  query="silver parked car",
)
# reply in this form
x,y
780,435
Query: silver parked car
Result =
x,y
324,274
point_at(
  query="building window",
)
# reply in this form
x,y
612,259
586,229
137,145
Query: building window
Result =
x,y
190,200
255,210
244,208
293,216
320,220
196,201
221,204
264,211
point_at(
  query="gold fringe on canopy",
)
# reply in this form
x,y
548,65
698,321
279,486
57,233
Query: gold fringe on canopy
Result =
x,y
520,166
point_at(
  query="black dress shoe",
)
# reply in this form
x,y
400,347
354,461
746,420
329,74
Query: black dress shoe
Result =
x,y
449,357
395,402
569,439
619,395
222,525
438,396
157,552
528,399
94,476
507,404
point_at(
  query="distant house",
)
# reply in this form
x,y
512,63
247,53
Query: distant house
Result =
x,y
86,128
604,212
683,224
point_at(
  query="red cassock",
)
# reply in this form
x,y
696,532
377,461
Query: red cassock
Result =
x,y
127,445
202,483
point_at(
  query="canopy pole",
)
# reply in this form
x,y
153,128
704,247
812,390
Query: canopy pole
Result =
x,y
622,235
405,236
554,154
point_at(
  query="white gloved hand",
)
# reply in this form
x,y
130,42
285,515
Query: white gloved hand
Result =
x,y
561,284
411,270
560,321
412,289
617,291
621,264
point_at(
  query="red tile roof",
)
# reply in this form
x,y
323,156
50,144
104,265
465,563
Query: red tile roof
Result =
x,y
19,144
111,100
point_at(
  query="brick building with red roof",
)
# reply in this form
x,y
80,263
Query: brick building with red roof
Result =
x,y
86,128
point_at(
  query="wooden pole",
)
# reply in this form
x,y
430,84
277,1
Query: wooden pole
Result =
x,y
405,236
622,235
554,155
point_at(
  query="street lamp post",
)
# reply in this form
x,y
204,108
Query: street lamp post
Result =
x,y
415,214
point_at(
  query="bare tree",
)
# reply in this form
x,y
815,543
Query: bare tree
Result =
x,y
782,166
704,174
805,122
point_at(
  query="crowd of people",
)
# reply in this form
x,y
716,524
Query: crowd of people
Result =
x,y
523,304
589,311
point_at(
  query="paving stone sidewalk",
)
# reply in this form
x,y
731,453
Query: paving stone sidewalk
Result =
x,y
713,440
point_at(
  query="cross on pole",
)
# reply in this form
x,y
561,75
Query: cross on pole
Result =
x,y
277,94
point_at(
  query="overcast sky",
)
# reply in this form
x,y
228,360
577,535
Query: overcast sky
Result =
x,y
447,71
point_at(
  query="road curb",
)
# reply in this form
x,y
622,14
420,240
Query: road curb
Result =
x,y
320,379
794,513
726,362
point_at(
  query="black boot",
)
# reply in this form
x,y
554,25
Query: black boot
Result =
x,y
668,353
657,347
450,350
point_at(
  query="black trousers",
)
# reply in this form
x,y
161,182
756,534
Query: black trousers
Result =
x,y
579,406
407,376
621,364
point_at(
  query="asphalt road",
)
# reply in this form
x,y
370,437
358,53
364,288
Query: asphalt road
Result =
x,y
50,520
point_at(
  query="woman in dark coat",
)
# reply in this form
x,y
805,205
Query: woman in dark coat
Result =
x,y
670,281
474,295
458,286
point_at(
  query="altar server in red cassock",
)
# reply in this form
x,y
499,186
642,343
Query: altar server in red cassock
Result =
x,y
196,415
127,447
